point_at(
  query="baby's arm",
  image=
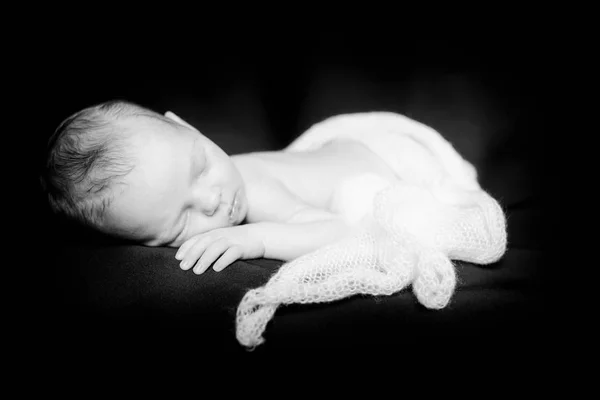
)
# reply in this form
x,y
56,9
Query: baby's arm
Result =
x,y
277,240
307,231
286,229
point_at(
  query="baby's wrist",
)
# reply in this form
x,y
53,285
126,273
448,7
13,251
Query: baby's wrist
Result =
x,y
256,239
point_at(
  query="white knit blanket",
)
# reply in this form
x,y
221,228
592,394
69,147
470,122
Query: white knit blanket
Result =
x,y
405,232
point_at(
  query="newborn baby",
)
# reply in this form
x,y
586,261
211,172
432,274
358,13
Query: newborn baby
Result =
x,y
135,174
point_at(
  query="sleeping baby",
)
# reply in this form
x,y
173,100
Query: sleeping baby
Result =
x,y
135,174
359,203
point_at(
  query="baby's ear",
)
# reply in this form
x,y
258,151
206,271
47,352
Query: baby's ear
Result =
x,y
175,117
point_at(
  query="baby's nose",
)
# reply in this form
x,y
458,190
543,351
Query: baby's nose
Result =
x,y
211,202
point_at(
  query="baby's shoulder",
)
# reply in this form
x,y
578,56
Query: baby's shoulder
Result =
x,y
255,167
276,165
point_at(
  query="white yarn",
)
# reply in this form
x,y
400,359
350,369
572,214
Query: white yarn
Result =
x,y
406,233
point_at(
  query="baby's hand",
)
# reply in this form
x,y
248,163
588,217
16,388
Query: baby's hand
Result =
x,y
230,244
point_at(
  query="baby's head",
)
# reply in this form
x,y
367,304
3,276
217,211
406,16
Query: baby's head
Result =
x,y
132,173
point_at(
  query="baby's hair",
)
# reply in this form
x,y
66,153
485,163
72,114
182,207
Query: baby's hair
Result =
x,y
86,158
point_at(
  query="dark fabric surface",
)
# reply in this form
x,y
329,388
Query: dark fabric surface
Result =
x,y
116,297
115,289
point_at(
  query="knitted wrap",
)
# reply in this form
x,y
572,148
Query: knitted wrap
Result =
x,y
404,233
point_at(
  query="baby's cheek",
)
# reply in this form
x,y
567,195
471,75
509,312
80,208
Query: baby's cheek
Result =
x,y
353,197
200,226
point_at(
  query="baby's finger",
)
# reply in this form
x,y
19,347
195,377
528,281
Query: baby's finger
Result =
x,y
186,246
232,254
195,252
212,252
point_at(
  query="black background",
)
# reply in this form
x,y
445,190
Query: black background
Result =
x,y
258,92
489,97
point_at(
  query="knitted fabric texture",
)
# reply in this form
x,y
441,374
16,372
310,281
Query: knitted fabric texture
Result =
x,y
404,232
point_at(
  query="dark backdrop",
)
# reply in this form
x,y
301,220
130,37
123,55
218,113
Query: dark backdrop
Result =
x,y
489,99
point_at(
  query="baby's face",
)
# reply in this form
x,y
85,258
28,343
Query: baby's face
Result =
x,y
182,185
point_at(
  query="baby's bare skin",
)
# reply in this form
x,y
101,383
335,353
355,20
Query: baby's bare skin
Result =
x,y
186,192
289,204
311,177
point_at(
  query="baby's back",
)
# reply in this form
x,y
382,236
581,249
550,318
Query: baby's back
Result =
x,y
314,176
